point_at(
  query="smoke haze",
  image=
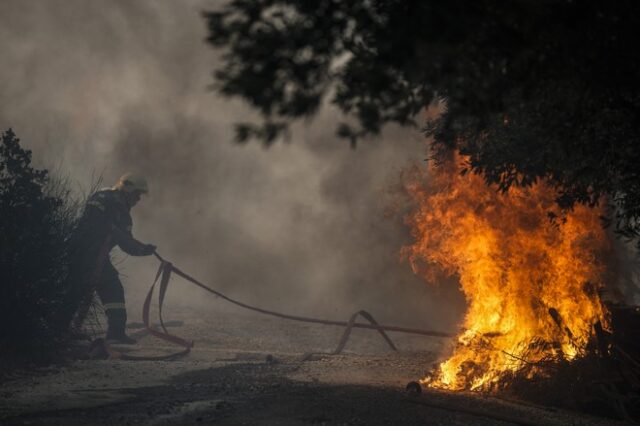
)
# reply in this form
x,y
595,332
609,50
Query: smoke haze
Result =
x,y
100,88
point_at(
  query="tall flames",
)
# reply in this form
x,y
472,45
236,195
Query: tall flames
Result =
x,y
531,283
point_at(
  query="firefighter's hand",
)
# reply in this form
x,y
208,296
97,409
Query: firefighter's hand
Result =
x,y
149,249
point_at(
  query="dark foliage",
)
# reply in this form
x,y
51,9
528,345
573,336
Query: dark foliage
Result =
x,y
533,89
36,220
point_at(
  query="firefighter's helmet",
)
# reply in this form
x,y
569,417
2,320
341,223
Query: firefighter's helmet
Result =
x,y
130,182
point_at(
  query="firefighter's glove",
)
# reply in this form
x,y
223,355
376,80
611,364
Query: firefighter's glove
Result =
x,y
149,249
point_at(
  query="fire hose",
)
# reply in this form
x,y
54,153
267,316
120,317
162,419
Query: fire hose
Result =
x,y
163,276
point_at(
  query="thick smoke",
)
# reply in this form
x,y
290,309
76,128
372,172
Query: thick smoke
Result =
x,y
100,88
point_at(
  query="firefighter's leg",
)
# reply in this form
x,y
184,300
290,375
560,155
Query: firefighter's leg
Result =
x,y
78,300
111,295
79,294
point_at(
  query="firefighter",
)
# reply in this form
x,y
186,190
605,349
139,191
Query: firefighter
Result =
x,y
106,222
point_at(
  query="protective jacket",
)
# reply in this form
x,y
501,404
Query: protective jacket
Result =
x,y
107,216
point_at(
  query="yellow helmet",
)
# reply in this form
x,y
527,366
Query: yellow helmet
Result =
x,y
130,182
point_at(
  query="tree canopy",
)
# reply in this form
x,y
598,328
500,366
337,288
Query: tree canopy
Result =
x,y
533,89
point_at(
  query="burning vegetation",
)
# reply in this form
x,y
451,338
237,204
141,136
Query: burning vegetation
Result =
x,y
532,277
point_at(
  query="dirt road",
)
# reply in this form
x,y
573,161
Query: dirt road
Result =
x,y
251,369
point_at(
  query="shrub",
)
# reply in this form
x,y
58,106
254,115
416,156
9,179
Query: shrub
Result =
x,y
37,216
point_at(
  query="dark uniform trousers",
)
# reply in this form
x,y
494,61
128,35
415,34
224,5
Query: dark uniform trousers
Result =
x,y
111,293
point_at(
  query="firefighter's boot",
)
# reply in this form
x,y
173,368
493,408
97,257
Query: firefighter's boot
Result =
x,y
117,319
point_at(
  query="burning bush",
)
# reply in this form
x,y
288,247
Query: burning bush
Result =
x,y
36,220
532,277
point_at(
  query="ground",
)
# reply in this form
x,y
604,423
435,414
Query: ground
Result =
x,y
246,368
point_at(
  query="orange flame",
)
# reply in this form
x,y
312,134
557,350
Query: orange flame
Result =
x,y
527,279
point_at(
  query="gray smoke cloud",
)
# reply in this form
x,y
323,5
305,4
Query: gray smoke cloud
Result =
x,y
100,88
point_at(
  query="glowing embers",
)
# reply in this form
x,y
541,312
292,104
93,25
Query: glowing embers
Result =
x,y
531,284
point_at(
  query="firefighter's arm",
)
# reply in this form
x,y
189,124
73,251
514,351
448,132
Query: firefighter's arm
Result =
x,y
130,245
